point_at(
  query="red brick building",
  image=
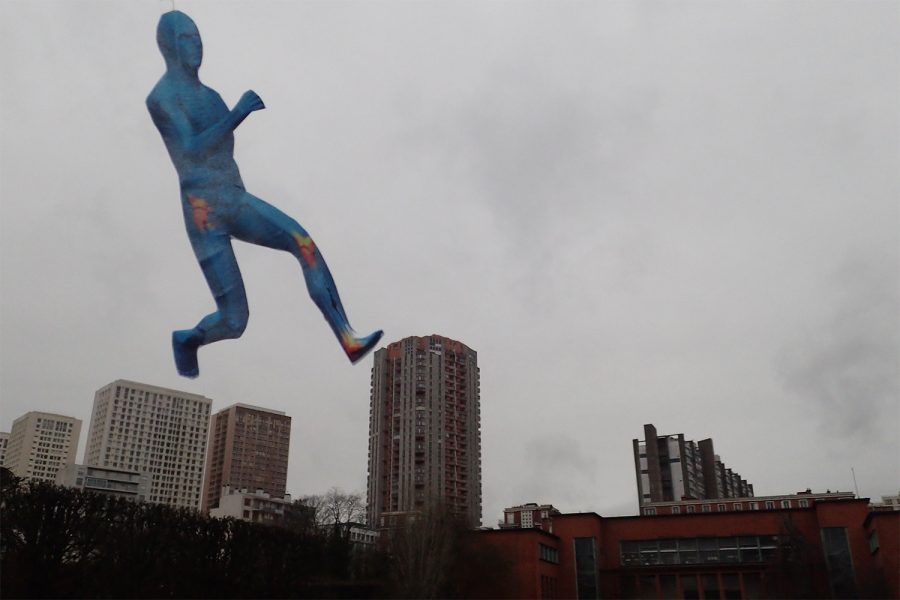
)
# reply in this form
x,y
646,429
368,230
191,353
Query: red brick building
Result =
x,y
833,549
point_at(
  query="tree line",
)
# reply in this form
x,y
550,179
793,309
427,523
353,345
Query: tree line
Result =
x,y
58,542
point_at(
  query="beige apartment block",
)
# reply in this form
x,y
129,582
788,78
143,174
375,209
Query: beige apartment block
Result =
x,y
40,444
153,430
248,449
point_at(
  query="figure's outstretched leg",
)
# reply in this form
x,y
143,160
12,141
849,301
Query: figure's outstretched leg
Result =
x,y
261,223
221,270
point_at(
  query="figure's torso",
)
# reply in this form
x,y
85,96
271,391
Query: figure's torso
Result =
x,y
202,108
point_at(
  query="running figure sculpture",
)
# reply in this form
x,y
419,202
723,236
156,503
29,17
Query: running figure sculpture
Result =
x,y
197,128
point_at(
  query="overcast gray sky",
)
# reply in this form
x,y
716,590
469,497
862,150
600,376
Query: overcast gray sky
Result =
x,y
677,213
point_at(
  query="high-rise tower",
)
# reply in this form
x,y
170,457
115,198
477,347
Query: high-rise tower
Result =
x,y
153,430
424,429
248,448
670,468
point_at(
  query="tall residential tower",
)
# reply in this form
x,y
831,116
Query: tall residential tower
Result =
x,y
248,449
152,430
424,429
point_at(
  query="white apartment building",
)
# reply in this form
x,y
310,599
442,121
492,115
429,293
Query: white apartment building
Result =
x,y
131,485
40,444
4,442
153,430
256,507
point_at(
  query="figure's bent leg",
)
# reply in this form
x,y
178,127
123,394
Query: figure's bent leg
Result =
x,y
221,270
261,223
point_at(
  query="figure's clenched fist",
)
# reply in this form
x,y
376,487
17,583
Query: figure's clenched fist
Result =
x,y
250,102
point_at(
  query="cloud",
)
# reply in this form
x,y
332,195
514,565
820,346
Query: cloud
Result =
x,y
848,368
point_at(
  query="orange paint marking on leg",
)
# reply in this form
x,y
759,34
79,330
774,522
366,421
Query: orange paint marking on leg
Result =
x,y
307,248
201,211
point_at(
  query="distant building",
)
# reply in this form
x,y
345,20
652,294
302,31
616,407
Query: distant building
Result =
x,y
424,429
248,449
528,515
752,503
829,549
4,442
256,506
152,430
40,444
130,485
887,503
670,468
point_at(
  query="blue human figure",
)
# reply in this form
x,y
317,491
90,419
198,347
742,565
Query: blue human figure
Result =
x,y
197,129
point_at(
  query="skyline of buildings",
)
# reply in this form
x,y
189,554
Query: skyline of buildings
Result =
x,y
424,429
669,468
248,449
40,444
153,430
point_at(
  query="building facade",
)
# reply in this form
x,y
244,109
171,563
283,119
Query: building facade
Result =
x,y
753,503
40,444
424,429
4,443
669,468
131,485
153,430
528,515
248,449
828,549
254,506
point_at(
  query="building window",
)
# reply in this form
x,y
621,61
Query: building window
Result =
x,y
754,506
873,542
770,504
510,518
804,503
676,510
707,508
548,554
527,520
691,508
721,507
785,504
738,506
650,510
841,577
586,569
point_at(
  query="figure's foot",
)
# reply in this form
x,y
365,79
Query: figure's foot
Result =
x,y
356,348
185,350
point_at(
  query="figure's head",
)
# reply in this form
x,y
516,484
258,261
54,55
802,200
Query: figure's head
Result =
x,y
179,40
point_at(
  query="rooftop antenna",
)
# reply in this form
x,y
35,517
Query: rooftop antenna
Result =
x,y
852,472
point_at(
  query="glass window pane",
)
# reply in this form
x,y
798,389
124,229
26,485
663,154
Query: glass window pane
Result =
x,y
731,586
752,585
749,555
648,587
668,589
710,585
689,587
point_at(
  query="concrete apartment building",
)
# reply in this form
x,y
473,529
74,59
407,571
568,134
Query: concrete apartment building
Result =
x,y
253,506
669,468
152,430
4,443
248,449
424,429
121,483
40,444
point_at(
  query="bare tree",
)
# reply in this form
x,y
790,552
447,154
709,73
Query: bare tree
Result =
x,y
336,507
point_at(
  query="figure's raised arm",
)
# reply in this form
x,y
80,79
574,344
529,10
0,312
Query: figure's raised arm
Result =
x,y
175,126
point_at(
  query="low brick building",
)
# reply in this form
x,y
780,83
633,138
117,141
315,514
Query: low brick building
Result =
x,y
833,549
